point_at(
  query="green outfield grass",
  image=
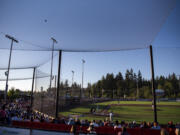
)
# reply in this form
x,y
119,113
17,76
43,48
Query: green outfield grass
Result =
x,y
130,110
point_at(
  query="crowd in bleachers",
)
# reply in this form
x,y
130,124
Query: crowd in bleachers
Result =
x,y
21,111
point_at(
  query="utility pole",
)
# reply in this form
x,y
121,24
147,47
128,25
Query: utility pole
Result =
x,y
54,41
7,73
83,61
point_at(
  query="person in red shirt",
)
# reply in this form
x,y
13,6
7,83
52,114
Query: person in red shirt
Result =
x,y
3,114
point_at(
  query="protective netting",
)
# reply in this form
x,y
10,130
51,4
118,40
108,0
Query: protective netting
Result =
x,y
83,25
69,95
133,86
20,74
24,59
18,78
44,96
44,99
166,61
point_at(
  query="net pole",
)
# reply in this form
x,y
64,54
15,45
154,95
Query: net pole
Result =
x,y
58,85
32,88
9,63
153,86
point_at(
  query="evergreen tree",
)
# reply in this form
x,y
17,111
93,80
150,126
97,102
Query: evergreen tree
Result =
x,y
119,85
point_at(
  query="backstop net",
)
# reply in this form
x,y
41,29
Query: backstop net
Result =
x,y
44,96
107,76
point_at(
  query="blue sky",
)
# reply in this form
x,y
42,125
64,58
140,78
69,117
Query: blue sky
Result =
x,y
166,44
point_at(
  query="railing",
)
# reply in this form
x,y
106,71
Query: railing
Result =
x,y
83,129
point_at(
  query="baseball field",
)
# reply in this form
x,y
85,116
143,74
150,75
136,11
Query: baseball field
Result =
x,y
127,110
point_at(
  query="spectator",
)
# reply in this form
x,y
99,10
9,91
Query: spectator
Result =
x,y
117,125
36,119
177,132
15,117
91,129
61,121
71,121
133,124
144,125
42,119
46,119
149,125
170,124
123,132
101,123
164,132
83,122
74,127
94,123
123,124
156,126
77,122
3,114
177,125
105,123
26,118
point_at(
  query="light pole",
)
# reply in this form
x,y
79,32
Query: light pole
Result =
x,y
54,41
7,73
83,61
72,77
42,96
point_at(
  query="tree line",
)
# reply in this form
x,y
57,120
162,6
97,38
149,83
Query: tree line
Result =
x,y
133,85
